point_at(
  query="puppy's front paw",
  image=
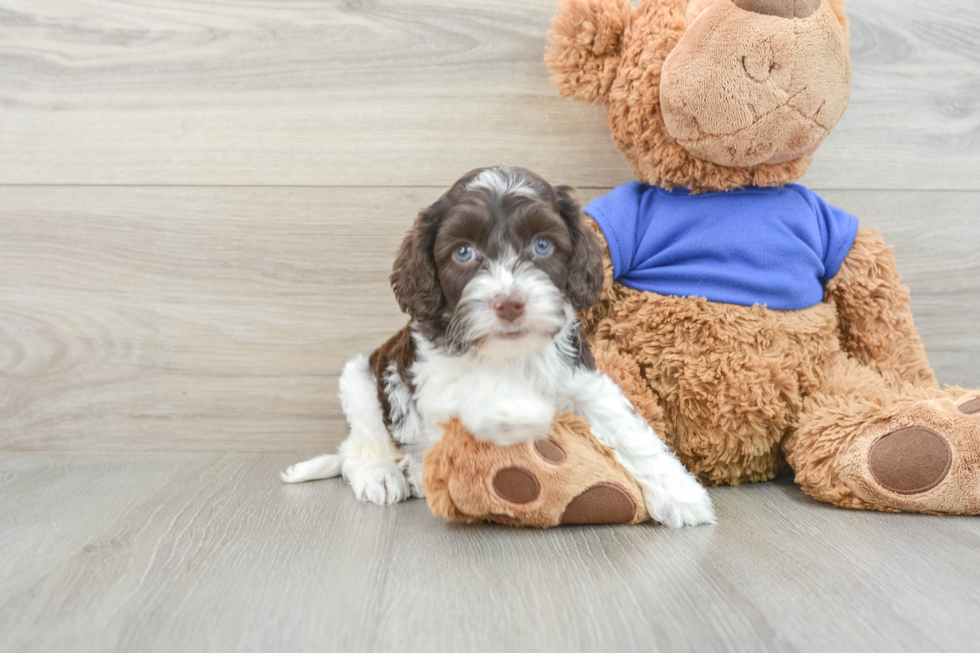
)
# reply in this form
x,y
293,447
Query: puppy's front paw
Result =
x,y
697,511
513,421
377,481
678,500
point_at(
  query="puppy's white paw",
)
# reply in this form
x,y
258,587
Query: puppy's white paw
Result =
x,y
377,481
678,500
412,470
511,421
697,511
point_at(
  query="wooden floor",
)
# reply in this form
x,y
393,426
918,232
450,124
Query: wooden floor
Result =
x,y
210,552
200,201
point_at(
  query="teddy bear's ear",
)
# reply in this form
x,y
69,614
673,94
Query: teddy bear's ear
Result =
x,y
585,45
838,8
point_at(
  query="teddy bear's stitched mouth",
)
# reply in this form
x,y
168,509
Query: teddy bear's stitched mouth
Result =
x,y
757,119
779,152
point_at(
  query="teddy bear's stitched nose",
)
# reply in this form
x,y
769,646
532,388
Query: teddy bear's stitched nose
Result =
x,y
781,8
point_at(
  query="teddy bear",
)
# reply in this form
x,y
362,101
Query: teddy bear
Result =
x,y
760,324
751,323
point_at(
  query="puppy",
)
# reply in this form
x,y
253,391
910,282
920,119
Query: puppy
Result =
x,y
491,276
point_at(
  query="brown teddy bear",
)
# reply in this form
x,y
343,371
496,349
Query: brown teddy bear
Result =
x,y
785,332
746,319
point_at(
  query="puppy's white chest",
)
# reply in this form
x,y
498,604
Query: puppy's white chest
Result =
x,y
485,392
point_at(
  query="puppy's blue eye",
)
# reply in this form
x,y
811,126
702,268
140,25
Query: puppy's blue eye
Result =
x,y
464,254
542,247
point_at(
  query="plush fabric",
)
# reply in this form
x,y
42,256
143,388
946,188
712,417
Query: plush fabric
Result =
x,y
775,246
735,390
699,96
568,479
743,89
607,52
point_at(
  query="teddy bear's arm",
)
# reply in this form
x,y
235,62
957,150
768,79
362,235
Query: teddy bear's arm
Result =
x,y
873,308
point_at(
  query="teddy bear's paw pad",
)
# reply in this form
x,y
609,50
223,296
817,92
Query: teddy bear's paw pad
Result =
x,y
971,407
911,460
549,451
516,485
603,503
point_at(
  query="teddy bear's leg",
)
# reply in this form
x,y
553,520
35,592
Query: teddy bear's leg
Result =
x,y
861,444
875,316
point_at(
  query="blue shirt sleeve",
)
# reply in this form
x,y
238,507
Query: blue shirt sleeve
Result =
x,y
838,229
616,214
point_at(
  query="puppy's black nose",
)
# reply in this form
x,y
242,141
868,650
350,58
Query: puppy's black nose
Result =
x,y
508,309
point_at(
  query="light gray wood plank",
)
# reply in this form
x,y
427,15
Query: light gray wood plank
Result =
x,y
179,318
411,92
207,319
54,506
212,553
221,558
915,106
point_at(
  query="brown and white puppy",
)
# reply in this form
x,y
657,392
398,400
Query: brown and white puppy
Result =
x,y
491,276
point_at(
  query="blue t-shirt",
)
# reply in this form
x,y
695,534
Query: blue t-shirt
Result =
x,y
775,246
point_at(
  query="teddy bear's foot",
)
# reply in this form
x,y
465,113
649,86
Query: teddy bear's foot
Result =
x,y
924,459
568,478
605,502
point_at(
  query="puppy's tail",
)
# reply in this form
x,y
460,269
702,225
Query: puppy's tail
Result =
x,y
314,469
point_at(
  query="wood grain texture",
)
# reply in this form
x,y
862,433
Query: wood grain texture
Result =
x,y
179,318
218,319
209,552
411,93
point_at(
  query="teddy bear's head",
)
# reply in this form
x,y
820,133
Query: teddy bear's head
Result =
x,y
708,94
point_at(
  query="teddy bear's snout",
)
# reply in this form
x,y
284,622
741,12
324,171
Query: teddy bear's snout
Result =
x,y
743,89
780,8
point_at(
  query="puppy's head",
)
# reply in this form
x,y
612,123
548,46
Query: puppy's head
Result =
x,y
499,264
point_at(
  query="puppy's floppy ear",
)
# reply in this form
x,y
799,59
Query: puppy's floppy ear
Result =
x,y
585,46
838,7
414,277
585,277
